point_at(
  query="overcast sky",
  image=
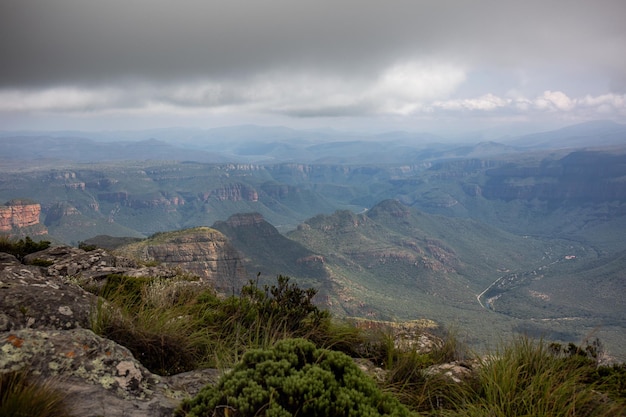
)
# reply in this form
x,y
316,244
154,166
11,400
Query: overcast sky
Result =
x,y
364,64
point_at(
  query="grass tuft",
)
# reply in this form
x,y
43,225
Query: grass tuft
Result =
x,y
529,377
23,395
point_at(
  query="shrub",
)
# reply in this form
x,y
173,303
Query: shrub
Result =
x,y
87,247
294,378
21,395
41,262
611,379
259,317
22,247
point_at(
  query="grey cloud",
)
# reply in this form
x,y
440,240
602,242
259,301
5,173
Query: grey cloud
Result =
x,y
57,42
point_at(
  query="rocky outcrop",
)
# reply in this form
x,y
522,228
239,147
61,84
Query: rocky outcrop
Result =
x,y
45,328
278,191
59,211
99,376
72,263
21,214
202,251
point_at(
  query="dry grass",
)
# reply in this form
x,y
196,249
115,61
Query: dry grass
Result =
x,y
21,395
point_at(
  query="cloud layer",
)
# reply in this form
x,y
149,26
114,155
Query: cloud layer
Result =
x,y
322,59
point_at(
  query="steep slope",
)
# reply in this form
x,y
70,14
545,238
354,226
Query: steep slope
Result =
x,y
268,252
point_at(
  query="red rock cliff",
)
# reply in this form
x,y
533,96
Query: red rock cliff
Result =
x,y
18,214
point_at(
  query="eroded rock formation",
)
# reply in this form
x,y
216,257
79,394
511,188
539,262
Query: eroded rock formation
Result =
x,y
21,214
202,251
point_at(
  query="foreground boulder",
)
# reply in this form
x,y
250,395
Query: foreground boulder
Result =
x,y
29,298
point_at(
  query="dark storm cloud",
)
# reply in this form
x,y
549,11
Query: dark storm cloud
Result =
x,y
74,61
48,42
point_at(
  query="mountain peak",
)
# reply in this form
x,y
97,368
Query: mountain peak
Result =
x,y
391,207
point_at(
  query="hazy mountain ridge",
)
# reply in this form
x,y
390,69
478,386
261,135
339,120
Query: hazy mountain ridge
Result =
x,y
251,143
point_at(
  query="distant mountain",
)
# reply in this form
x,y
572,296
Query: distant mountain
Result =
x,y
77,149
395,251
273,144
394,262
469,228
601,133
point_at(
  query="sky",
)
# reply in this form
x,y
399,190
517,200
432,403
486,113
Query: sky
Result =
x,y
416,65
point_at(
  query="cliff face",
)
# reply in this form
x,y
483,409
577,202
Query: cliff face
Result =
x,y
245,219
20,214
202,251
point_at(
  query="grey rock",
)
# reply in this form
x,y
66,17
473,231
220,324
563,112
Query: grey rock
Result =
x,y
31,299
44,328
100,377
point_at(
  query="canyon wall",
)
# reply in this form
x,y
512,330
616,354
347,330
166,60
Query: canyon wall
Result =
x,y
21,214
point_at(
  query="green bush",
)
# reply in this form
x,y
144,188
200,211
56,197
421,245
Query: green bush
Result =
x,y
611,380
294,378
41,262
260,317
21,395
21,248
87,247
125,290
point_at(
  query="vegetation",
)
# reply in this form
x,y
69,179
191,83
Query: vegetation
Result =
x,y
180,325
87,247
21,248
22,395
278,342
294,378
529,377
156,327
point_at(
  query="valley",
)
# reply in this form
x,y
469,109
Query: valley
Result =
x,y
488,239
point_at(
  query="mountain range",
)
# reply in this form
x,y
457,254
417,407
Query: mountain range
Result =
x,y
519,235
